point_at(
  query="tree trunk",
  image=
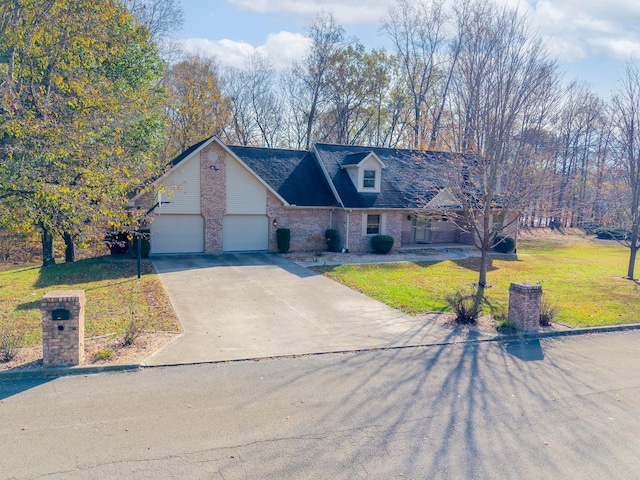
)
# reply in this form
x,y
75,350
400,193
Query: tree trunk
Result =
x,y
47,248
634,244
632,262
70,248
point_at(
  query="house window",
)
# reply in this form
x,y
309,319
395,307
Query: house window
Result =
x,y
369,180
373,224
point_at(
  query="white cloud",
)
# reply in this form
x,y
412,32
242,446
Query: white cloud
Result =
x,y
617,48
282,48
345,11
576,30
285,47
579,29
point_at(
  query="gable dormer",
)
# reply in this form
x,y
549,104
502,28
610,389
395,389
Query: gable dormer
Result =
x,y
443,200
365,171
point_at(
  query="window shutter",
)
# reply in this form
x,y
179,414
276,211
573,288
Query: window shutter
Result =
x,y
364,225
383,224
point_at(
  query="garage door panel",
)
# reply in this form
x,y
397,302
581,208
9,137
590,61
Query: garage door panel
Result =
x,y
177,234
245,233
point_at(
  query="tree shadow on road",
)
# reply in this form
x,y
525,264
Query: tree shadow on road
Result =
x,y
450,411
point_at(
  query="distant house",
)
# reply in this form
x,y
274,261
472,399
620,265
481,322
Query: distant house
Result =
x,y
218,198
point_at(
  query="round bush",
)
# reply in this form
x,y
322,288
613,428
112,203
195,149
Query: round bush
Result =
x,y
381,243
332,239
504,244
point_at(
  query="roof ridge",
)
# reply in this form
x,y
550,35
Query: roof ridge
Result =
x,y
369,147
269,148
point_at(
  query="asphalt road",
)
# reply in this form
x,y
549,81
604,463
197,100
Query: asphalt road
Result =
x,y
558,408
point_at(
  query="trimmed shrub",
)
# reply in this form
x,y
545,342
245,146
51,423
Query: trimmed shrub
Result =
x,y
283,237
332,239
382,243
145,243
504,244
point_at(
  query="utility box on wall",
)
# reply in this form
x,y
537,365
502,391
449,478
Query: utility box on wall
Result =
x,y
63,328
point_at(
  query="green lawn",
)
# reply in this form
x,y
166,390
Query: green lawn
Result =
x,y
582,279
112,290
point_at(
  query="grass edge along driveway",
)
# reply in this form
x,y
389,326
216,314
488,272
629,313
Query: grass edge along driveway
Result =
x,y
582,279
114,296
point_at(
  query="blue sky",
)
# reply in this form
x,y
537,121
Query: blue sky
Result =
x,y
591,38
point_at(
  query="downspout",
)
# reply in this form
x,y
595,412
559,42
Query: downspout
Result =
x,y
331,219
346,246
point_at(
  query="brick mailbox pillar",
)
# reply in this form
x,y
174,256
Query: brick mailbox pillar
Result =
x,y
63,328
524,306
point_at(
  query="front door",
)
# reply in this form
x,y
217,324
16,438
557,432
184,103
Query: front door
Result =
x,y
421,229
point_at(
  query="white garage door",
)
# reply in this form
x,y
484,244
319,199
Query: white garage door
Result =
x,y
177,234
245,233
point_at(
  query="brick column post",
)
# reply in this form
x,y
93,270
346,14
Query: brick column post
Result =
x,y
524,306
63,328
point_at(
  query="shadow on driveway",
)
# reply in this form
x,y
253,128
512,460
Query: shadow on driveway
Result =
x,y
250,305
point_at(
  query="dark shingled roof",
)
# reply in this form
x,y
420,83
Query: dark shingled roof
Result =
x,y
355,158
295,175
408,181
187,152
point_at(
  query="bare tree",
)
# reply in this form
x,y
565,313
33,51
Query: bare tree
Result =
x,y
163,19
417,30
256,103
313,73
626,111
502,75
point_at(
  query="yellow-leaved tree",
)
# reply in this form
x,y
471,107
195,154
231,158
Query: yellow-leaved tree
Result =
x,y
81,119
196,108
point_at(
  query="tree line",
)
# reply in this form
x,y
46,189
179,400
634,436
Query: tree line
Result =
x,y
96,98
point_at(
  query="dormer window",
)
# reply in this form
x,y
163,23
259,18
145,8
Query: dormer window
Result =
x,y
369,179
364,169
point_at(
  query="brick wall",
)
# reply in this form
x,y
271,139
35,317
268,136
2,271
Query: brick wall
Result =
x,y
307,225
524,306
213,195
359,243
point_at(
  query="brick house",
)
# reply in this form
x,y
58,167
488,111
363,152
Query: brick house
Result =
x,y
218,198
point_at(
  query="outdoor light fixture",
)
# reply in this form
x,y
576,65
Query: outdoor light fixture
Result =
x,y
408,217
275,223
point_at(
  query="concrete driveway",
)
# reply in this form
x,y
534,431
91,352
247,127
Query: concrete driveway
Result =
x,y
252,305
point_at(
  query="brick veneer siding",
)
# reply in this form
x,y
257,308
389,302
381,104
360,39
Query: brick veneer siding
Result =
x,y
307,225
66,346
359,243
524,306
213,191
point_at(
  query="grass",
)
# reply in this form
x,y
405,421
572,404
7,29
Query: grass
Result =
x,y
582,279
112,290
